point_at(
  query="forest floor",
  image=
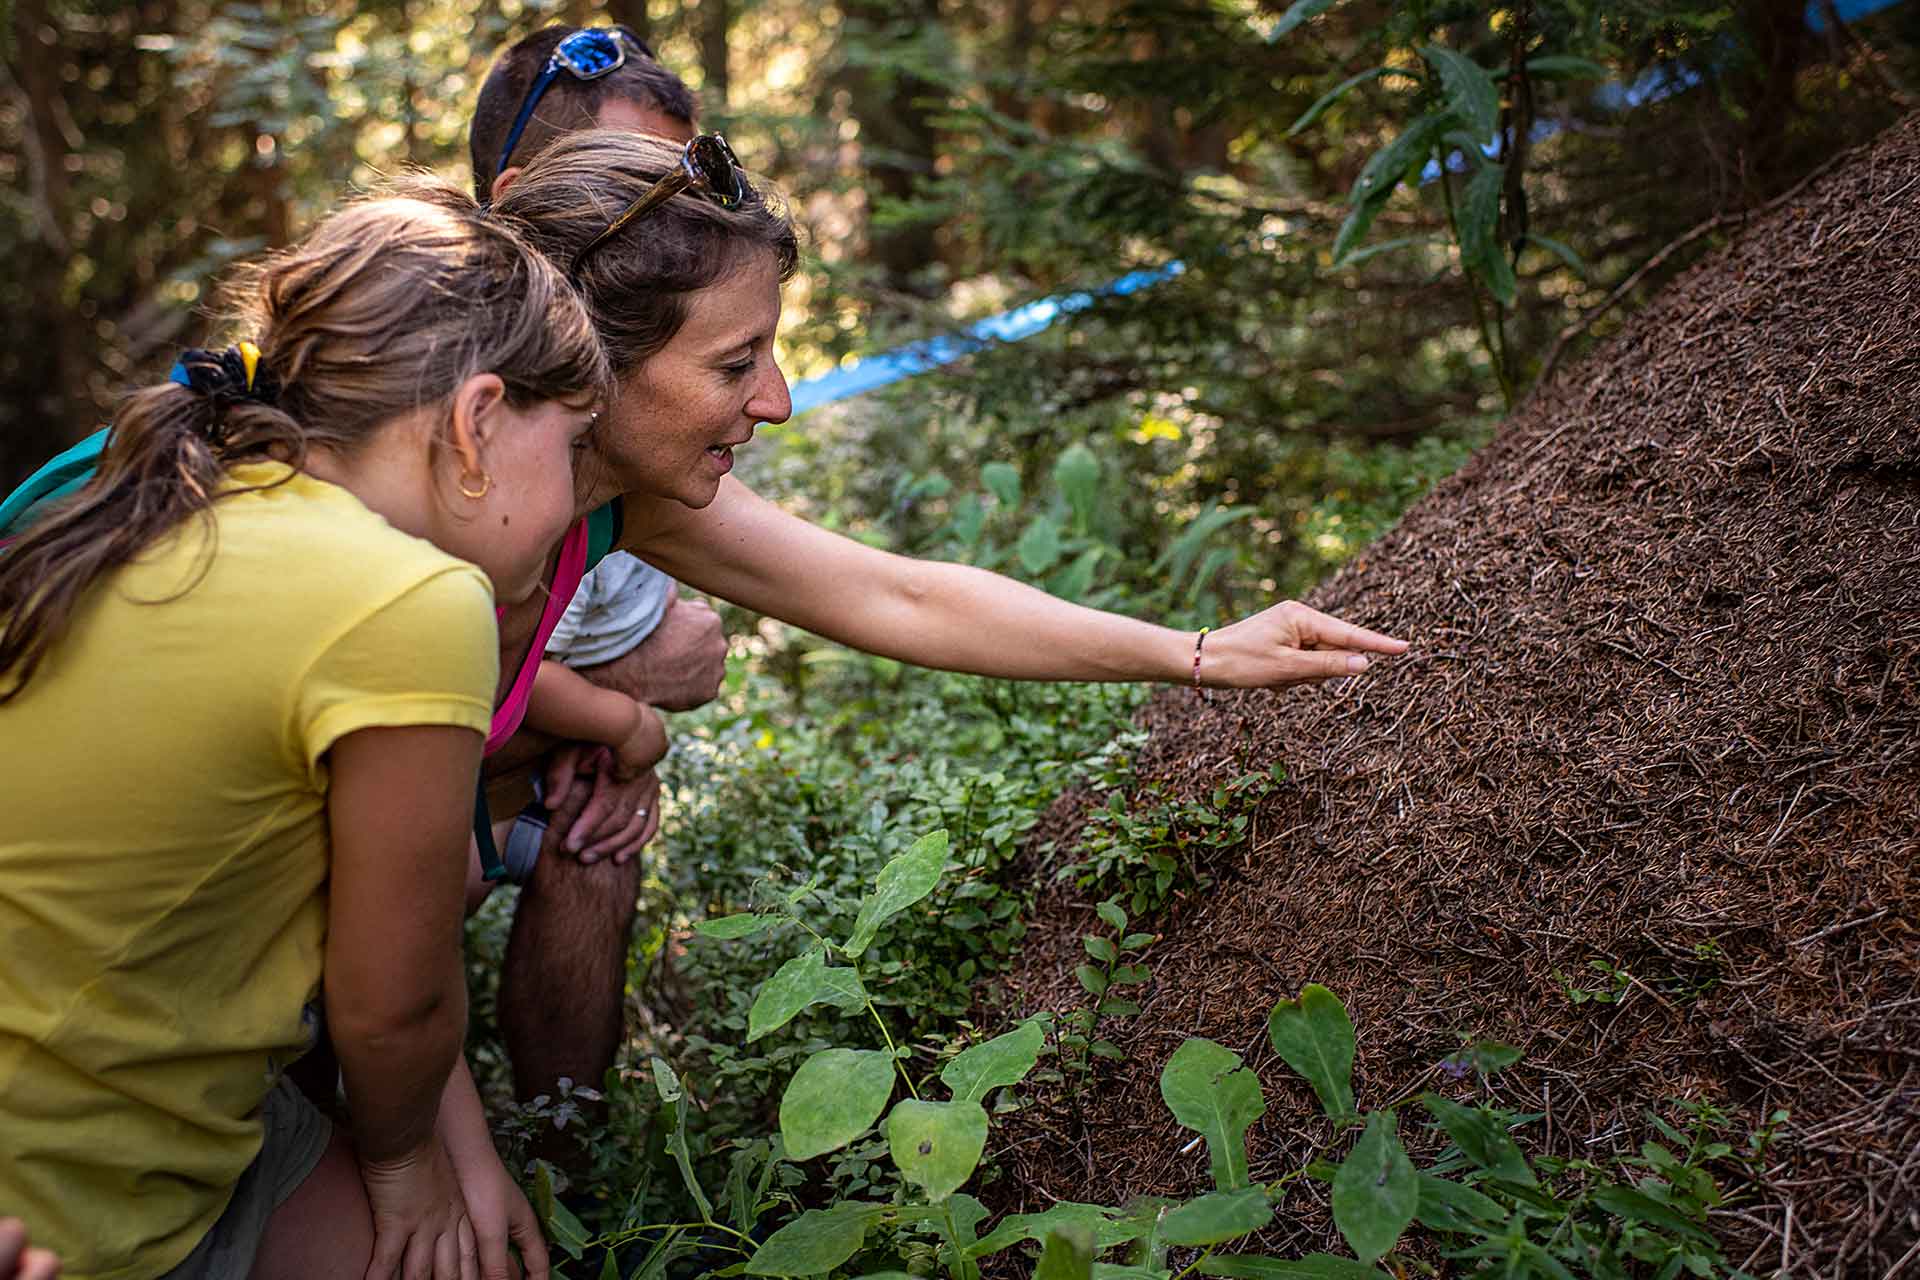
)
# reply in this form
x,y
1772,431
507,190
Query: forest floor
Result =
x,y
1644,799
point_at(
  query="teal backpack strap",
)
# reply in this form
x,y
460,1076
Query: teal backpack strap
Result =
x,y
61,476
603,531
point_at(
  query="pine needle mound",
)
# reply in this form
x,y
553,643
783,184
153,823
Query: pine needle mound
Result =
x,y
1663,712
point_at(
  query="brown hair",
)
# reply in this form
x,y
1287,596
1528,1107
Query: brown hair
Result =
x,y
637,284
568,104
388,306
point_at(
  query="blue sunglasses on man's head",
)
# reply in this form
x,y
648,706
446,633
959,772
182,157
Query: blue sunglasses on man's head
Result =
x,y
587,54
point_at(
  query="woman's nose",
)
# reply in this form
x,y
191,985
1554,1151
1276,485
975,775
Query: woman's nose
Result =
x,y
771,400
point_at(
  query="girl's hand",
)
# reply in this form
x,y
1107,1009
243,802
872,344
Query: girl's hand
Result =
x,y
642,748
19,1260
420,1226
1286,645
500,1213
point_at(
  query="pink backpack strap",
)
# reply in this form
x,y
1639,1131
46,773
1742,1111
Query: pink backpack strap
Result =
x,y
572,567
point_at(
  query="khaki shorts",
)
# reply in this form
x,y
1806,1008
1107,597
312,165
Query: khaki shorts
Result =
x,y
296,1138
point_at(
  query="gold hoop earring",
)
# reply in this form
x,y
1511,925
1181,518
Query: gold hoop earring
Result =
x,y
486,486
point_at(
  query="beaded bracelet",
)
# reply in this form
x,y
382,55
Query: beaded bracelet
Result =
x,y
1199,641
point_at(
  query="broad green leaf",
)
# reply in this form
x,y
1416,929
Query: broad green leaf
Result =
x,y
566,1230
1210,1091
967,1214
802,981
1067,1255
901,883
1217,1217
1359,256
1480,247
665,1082
1073,582
1481,1138
1314,1036
1565,66
1111,913
1101,949
1387,166
1470,91
1096,1220
727,928
1091,978
1179,557
1354,229
673,1093
1376,1191
1001,1061
937,1145
1637,1206
1315,1266
1340,91
968,519
1446,1205
1003,481
1559,250
816,1242
1078,474
1298,12
1040,546
833,1098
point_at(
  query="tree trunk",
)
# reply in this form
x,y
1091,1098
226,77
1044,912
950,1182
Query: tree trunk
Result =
x,y
898,141
1781,44
632,14
50,380
716,20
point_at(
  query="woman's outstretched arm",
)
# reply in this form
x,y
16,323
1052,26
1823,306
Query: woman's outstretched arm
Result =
x,y
958,618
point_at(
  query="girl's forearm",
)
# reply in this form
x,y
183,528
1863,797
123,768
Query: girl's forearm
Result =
x,y
568,706
463,1121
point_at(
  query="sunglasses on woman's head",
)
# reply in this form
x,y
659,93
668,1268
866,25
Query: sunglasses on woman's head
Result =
x,y
587,54
707,164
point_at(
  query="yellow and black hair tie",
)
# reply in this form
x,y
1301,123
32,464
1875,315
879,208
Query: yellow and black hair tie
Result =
x,y
226,377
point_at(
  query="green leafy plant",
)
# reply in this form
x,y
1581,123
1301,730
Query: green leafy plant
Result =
x,y
1114,968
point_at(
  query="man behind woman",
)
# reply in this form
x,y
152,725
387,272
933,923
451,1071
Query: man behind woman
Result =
x,y
269,620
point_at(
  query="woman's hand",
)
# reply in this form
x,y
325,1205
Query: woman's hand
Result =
x,y
1286,645
420,1226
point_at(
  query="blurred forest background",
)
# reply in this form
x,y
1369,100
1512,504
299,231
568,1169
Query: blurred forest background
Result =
x,y
950,158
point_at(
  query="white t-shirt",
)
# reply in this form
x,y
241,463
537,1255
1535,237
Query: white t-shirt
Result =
x,y
617,606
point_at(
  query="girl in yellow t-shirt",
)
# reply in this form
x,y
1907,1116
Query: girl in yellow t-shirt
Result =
x,y
268,623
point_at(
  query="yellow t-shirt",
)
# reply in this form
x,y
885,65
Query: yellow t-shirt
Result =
x,y
163,848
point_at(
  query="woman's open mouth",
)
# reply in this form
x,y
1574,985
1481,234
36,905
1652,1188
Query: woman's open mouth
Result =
x,y
722,456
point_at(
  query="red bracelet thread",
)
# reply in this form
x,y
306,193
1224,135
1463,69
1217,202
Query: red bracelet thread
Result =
x,y
1198,642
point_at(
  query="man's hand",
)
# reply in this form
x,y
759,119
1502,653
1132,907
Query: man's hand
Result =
x,y
596,814
676,668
